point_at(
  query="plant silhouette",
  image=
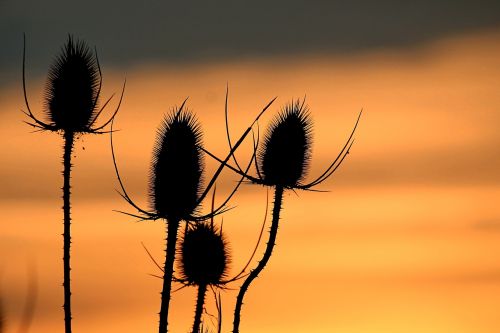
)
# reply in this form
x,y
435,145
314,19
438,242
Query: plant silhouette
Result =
x,y
71,108
175,186
282,163
204,255
204,262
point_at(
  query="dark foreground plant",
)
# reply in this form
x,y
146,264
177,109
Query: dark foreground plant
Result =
x,y
204,262
175,186
71,108
282,163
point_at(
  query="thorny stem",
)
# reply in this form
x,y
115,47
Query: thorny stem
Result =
x,y
278,199
202,289
168,269
68,148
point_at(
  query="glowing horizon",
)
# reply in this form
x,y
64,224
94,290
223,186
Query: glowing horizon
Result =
x,y
405,240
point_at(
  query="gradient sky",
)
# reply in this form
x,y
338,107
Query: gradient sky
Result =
x,y
406,240
128,34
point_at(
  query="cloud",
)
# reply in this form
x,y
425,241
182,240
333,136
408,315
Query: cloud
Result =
x,y
463,166
429,120
488,225
129,33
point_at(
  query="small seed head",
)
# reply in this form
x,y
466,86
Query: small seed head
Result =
x,y
204,255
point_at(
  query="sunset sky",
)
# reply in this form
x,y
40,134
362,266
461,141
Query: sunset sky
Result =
x,y
406,238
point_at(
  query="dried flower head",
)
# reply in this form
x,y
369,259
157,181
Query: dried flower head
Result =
x,y
282,163
71,96
285,153
204,255
72,91
72,88
175,188
177,167
284,156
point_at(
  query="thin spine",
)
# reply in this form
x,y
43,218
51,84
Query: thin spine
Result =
x,y
338,160
237,144
278,200
227,128
200,301
242,274
172,227
68,149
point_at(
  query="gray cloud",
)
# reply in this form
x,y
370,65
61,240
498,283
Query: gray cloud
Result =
x,y
488,225
127,33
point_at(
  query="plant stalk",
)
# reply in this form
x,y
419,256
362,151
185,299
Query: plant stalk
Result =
x,y
68,149
278,199
172,227
202,289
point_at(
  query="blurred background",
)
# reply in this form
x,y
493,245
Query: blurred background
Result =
x,y
407,238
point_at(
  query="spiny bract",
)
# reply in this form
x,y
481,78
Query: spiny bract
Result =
x,y
204,255
285,153
177,167
72,88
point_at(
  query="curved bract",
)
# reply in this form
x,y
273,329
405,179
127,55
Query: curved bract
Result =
x,y
204,255
285,153
72,88
177,167
72,92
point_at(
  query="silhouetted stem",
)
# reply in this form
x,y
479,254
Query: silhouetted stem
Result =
x,y
202,289
68,148
168,269
278,199
1,318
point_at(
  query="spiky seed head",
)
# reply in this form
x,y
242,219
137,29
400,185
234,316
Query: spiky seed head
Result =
x,y
204,255
177,167
284,156
72,88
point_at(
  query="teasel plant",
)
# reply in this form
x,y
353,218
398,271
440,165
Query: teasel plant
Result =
x,y
71,109
175,189
282,163
204,263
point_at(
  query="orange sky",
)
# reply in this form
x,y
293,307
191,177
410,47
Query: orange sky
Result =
x,y
407,240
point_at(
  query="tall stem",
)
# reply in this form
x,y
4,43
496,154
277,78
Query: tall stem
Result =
x,y
278,199
202,289
68,148
168,269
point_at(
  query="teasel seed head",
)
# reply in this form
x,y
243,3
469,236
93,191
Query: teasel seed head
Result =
x,y
204,255
285,153
72,88
177,167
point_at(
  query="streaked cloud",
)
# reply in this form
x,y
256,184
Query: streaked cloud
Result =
x,y
127,33
428,120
